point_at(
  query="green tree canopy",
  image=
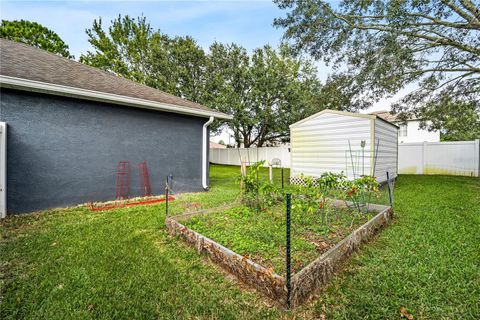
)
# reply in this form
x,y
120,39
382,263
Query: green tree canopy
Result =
x,y
228,85
386,45
133,49
265,91
455,120
34,34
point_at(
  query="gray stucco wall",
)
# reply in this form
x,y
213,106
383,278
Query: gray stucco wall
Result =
x,y
64,151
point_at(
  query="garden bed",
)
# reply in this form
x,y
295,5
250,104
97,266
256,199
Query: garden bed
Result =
x,y
250,244
260,236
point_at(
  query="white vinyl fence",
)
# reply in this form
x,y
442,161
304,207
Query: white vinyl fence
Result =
x,y
231,156
449,158
459,158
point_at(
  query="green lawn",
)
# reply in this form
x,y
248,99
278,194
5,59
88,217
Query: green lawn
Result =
x,y
122,264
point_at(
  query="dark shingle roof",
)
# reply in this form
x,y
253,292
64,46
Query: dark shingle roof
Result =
x,y
26,62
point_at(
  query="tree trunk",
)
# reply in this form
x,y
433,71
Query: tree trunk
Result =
x,y
246,141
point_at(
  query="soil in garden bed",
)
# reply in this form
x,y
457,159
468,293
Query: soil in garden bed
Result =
x,y
260,235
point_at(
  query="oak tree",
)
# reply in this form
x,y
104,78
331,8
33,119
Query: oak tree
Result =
x,y
34,34
383,46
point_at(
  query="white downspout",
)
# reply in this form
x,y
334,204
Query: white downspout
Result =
x,y
205,145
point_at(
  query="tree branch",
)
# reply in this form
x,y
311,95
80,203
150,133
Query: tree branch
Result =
x,y
460,12
475,70
436,21
471,7
386,28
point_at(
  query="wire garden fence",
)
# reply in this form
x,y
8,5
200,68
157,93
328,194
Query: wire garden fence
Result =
x,y
284,226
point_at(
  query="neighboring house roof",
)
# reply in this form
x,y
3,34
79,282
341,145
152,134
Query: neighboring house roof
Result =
x,y
214,145
385,115
27,68
343,113
388,116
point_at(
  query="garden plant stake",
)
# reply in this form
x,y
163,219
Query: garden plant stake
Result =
x,y
166,197
288,257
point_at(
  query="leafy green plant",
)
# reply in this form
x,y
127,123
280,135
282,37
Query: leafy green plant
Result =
x,y
250,181
307,196
269,194
256,192
316,196
329,182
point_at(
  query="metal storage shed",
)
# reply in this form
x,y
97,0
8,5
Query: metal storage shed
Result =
x,y
332,141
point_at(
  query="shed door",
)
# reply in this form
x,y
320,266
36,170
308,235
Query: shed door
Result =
x,y
3,169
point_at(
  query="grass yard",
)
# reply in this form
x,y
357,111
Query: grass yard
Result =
x,y
121,264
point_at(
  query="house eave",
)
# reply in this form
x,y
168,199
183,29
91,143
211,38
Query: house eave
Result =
x,y
66,91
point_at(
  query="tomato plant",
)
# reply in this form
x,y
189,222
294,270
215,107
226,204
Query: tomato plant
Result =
x,y
360,191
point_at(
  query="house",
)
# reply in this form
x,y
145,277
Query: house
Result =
x,y
410,130
352,143
68,125
214,145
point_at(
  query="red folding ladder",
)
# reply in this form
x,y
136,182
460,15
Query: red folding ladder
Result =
x,y
123,180
144,180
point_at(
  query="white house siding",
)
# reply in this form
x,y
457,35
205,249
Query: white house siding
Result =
x,y
320,143
386,135
415,134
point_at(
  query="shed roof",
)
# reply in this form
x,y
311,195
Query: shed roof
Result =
x,y
343,113
27,68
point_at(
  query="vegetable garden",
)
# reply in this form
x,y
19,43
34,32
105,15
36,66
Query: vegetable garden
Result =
x,y
287,240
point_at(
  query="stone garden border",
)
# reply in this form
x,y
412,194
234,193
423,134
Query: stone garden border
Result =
x,y
310,280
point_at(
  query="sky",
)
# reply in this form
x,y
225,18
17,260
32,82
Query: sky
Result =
x,y
248,23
